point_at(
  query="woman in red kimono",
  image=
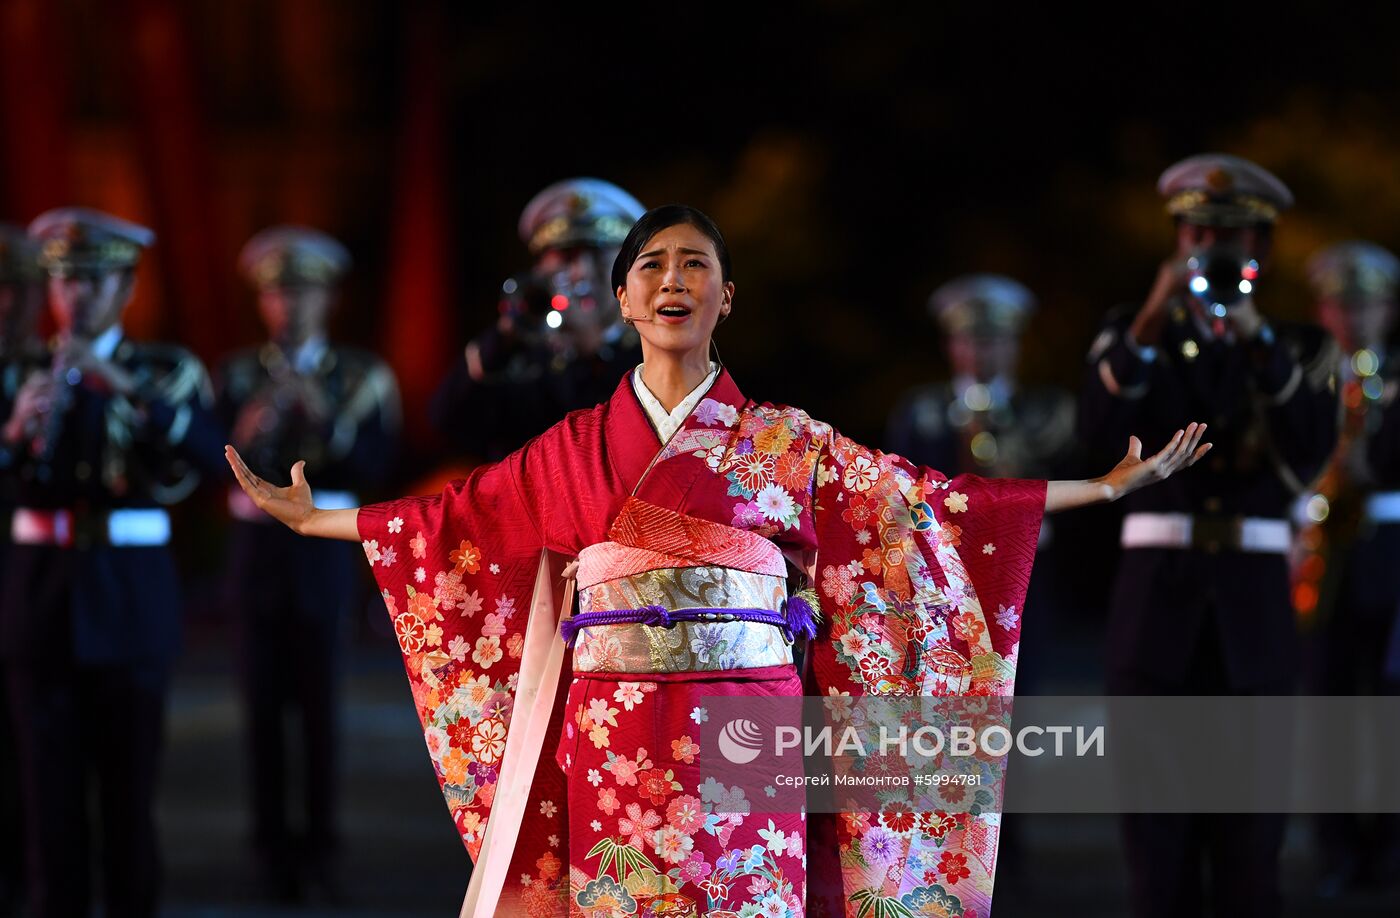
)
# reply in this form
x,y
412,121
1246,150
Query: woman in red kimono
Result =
x,y
685,512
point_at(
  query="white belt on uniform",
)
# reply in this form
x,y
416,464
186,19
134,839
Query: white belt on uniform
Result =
x,y
1383,507
122,528
1182,530
241,506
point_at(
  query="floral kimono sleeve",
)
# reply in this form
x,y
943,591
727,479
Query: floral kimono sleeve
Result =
x,y
921,581
457,573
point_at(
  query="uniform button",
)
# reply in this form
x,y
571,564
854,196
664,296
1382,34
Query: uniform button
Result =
x,y
1218,464
83,471
1212,547
1212,505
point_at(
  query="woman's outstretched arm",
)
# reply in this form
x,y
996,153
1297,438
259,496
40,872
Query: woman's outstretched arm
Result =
x,y
293,506
1130,474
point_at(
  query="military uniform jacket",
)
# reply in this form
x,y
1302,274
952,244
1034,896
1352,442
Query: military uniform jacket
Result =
x,y
91,601
1030,436
491,417
351,448
1273,413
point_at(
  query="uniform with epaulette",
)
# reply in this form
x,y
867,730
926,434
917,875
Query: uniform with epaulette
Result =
x,y
90,606
1346,582
21,351
299,397
559,344
1200,604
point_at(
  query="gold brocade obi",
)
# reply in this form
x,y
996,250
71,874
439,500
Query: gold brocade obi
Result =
x,y
614,576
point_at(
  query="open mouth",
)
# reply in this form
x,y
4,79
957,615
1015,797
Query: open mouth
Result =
x,y
673,311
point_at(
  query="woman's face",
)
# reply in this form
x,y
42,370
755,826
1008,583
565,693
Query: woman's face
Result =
x,y
675,291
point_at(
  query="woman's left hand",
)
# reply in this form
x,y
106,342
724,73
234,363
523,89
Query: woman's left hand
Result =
x,y
1133,472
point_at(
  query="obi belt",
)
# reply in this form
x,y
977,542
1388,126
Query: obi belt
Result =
x,y
674,593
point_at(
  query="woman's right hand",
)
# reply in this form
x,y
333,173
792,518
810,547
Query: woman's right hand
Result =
x,y
292,506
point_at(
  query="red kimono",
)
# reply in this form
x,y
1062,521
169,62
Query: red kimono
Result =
x,y
920,581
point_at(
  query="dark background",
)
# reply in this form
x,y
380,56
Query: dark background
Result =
x,y
856,156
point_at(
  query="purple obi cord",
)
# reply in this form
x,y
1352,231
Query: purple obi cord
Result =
x,y
796,618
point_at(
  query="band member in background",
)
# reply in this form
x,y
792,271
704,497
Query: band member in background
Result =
x,y
1201,602
558,344
97,444
298,396
1346,584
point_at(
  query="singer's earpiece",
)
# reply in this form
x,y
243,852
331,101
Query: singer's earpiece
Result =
x,y
622,304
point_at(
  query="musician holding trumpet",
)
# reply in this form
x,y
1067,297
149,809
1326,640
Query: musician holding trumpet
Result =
x,y
1201,603
97,443
296,397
